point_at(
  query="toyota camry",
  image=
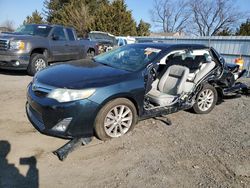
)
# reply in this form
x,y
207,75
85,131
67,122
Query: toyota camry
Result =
x,y
107,95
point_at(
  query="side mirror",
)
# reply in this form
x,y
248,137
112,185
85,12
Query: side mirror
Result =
x,y
55,37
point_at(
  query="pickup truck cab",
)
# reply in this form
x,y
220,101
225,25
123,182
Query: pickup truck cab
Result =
x,y
32,47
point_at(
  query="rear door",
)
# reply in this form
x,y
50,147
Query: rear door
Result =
x,y
59,44
73,44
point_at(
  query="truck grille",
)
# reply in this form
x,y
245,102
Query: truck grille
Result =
x,y
4,44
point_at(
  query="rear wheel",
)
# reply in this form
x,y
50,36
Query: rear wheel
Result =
x,y
206,100
115,119
37,63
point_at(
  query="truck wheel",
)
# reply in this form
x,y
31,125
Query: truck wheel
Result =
x,y
115,119
37,63
206,100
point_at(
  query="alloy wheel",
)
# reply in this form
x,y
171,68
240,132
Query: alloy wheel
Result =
x,y
118,121
205,99
40,64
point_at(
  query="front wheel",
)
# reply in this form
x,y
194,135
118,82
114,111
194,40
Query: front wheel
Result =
x,y
115,119
37,63
205,100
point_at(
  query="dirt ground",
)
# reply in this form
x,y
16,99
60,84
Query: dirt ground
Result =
x,y
196,151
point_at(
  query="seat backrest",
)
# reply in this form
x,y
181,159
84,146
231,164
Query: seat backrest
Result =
x,y
204,70
173,80
193,64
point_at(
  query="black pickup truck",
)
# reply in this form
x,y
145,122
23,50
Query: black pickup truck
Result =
x,y
32,47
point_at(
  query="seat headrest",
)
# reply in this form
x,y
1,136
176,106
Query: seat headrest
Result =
x,y
200,59
189,59
177,58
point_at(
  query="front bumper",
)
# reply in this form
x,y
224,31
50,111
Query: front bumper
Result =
x,y
8,60
45,113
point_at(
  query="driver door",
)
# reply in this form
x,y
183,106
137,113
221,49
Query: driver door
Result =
x,y
59,45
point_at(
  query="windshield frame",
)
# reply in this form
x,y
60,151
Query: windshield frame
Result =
x,y
33,27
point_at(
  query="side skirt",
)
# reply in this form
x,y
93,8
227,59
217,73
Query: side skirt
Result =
x,y
160,111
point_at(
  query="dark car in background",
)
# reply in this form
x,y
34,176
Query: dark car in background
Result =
x,y
106,96
32,47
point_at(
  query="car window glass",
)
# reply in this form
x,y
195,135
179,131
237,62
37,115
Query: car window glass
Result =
x,y
59,32
120,42
70,34
38,30
131,58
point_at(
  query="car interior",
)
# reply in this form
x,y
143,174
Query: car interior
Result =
x,y
178,74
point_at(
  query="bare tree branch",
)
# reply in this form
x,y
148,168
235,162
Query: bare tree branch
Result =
x,y
211,16
169,15
9,25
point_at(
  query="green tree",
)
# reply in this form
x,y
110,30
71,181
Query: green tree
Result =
x,y
115,18
35,18
244,29
74,14
102,18
52,8
123,22
94,5
85,15
143,28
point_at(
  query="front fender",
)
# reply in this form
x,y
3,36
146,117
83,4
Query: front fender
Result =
x,y
132,90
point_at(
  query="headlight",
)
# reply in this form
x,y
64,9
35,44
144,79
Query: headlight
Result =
x,y
67,95
17,45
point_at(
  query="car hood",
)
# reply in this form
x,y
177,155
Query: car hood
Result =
x,y
81,74
16,36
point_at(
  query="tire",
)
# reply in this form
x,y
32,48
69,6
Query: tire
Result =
x,y
206,100
121,125
37,63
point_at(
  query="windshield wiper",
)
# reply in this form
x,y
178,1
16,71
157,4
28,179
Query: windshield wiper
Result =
x,y
106,64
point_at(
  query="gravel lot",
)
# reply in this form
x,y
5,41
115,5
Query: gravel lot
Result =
x,y
196,151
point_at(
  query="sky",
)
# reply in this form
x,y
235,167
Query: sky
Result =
x,y
17,10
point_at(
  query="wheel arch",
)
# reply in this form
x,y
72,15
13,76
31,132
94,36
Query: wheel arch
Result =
x,y
218,89
98,130
119,96
43,51
91,49
206,85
